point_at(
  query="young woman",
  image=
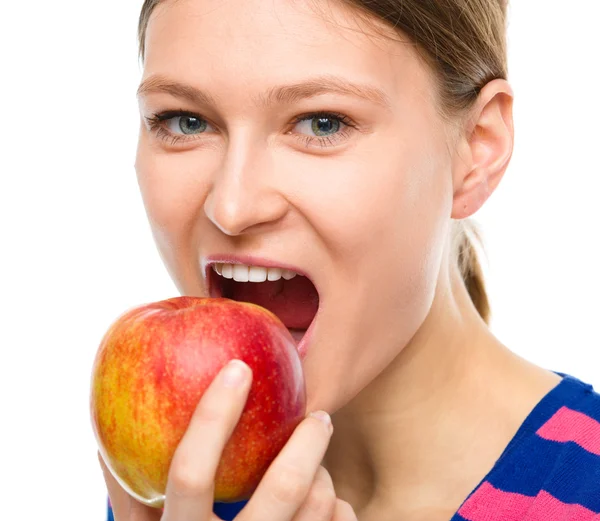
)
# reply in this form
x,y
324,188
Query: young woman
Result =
x,y
322,159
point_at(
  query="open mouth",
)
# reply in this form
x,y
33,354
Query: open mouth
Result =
x,y
289,295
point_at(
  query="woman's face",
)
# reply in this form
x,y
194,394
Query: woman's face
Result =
x,y
308,143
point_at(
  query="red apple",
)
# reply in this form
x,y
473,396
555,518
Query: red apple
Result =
x,y
153,366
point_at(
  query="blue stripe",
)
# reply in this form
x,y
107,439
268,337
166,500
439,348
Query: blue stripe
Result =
x,y
458,517
564,470
228,511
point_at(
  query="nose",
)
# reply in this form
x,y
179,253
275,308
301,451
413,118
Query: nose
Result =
x,y
243,196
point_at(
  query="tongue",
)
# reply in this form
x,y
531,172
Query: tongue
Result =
x,y
295,301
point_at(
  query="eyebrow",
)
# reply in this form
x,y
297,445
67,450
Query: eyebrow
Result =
x,y
284,94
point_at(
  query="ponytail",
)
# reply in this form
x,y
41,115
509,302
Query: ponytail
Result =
x,y
466,236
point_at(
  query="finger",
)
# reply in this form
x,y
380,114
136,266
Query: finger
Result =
x,y
190,486
124,507
343,512
319,504
286,483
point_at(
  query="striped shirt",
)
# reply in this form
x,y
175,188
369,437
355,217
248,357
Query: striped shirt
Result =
x,y
550,470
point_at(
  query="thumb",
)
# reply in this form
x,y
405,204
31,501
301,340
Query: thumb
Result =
x,y
125,508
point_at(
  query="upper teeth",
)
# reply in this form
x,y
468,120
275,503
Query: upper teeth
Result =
x,y
243,273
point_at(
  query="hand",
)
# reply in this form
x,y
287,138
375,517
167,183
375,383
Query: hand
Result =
x,y
295,487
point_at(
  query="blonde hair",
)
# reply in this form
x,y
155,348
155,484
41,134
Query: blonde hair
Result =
x,y
464,42
465,236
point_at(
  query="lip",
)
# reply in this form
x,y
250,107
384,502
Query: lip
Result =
x,y
302,346
252,260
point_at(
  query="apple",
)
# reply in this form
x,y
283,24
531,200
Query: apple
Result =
x,y
153,366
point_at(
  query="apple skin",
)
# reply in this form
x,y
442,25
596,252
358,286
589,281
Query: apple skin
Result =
x,y
153,366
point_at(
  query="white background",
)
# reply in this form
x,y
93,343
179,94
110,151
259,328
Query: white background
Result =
x,y
76,248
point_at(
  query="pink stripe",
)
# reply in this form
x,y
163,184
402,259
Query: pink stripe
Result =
x,y
490,504
568,425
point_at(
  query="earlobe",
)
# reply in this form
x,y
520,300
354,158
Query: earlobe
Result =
x,y
490,145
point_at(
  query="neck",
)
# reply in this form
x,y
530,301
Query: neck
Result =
x,y
419,438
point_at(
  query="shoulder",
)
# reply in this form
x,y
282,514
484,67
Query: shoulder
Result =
x,y
551,469
570,441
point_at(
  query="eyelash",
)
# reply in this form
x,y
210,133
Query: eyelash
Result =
x,y
157,121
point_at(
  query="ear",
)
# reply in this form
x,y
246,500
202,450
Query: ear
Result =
x,y
485,149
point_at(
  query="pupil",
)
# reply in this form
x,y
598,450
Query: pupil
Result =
x,y
191,125
325,126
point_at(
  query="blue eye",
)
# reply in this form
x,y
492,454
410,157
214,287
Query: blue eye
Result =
x,y
186,125
320,125
325,126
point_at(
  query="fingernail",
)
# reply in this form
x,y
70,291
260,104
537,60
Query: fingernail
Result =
x,y
235,374
323,417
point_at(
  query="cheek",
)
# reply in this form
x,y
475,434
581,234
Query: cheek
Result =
x,y
380,207
167,182
394,244
173,191
385,232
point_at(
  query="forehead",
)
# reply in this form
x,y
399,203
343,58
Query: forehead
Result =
x,y
258,39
